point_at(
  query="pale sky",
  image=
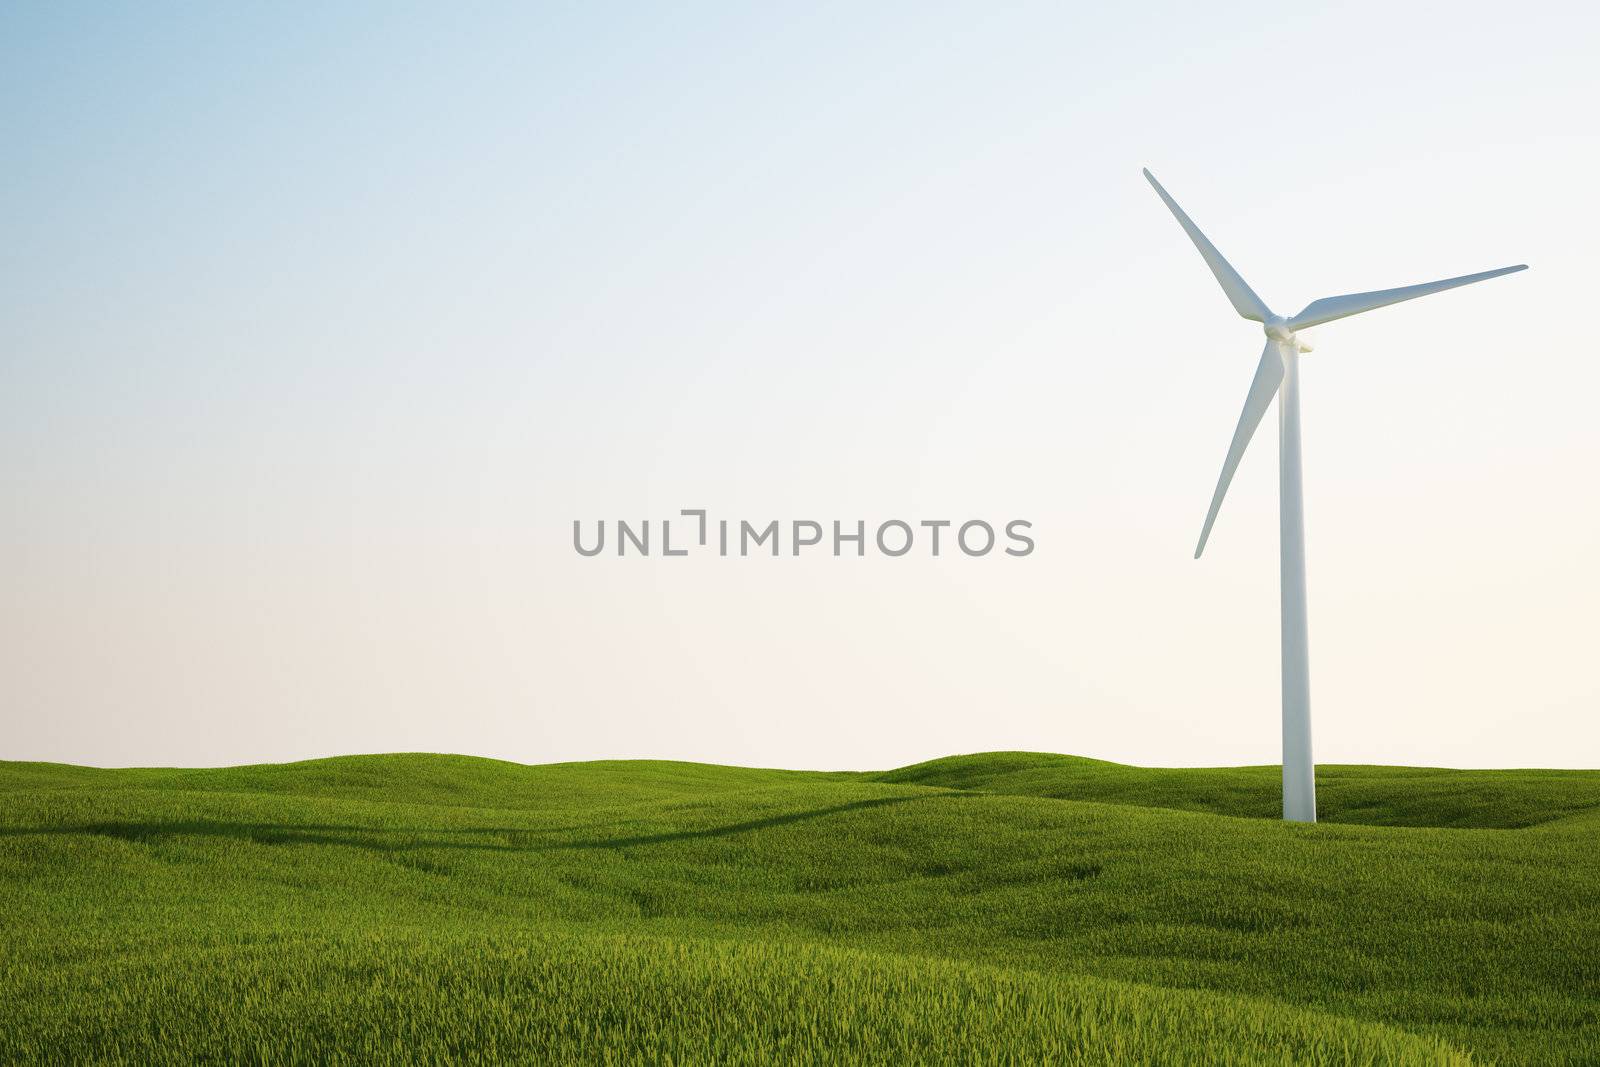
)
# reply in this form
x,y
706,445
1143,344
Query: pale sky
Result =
x,y
318,328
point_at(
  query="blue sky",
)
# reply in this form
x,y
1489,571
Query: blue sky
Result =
x,y
321,325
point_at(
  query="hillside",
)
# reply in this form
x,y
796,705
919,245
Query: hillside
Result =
x,y
1037,906
1369,796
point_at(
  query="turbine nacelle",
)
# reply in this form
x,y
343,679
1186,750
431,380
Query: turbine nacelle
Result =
x,y
1277,329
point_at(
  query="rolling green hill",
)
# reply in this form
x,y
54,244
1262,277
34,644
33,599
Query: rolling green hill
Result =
x,y
1006,907
1371,796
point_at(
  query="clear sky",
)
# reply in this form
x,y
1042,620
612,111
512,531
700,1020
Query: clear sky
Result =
x,y
320,324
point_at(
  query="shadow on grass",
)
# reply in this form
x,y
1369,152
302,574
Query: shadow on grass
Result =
x,y
400,839
743,827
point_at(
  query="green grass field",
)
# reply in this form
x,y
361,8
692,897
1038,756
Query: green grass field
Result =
x,y
1007,908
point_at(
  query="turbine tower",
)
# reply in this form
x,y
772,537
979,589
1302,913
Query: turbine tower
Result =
x,y
1278,374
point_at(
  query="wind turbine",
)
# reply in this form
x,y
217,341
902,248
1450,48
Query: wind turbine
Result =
x,y
1278,374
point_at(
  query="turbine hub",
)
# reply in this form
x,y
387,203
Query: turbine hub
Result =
x,y
1277,328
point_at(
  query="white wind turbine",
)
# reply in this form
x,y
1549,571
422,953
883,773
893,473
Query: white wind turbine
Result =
x,y
1279,369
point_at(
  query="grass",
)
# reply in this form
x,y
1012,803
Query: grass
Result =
x,y
1007,907
1372,796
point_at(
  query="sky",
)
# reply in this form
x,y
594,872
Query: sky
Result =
x,y
321,324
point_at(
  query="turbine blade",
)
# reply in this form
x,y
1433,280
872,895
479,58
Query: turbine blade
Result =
x,y
1337,307
1244,299
1269,375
